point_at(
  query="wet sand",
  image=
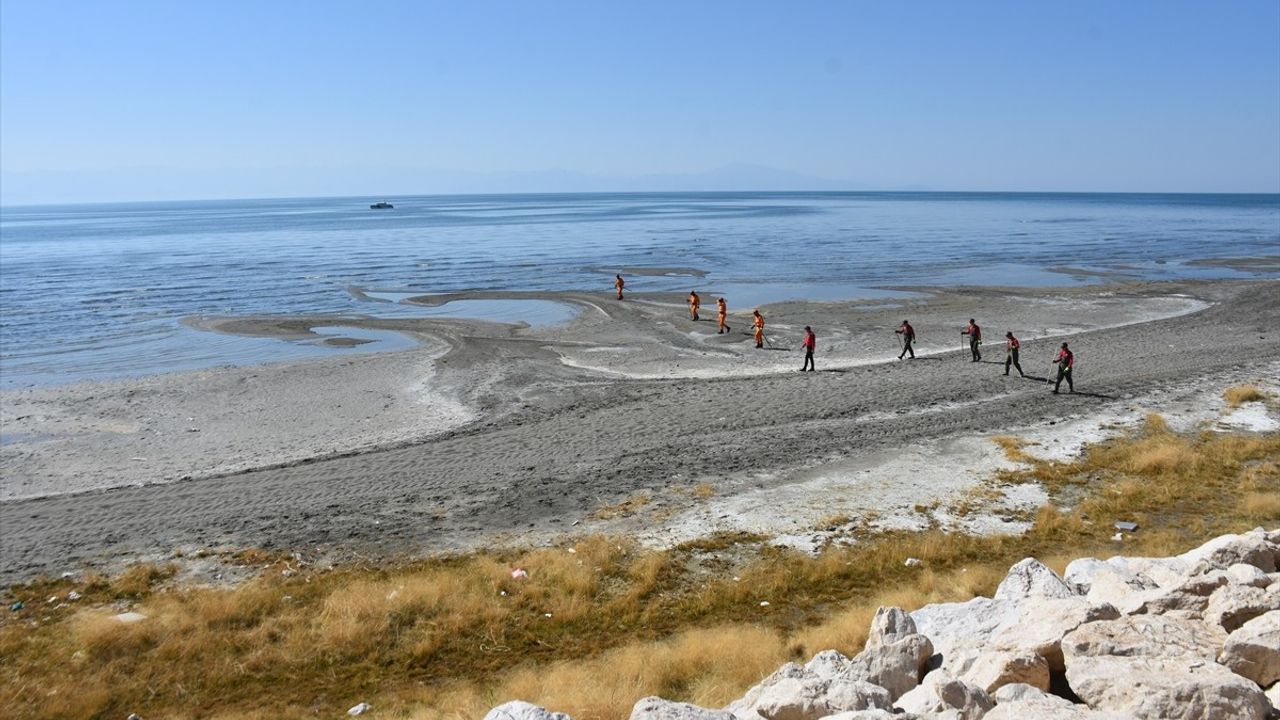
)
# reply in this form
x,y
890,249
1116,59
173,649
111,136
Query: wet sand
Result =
x,y
509,433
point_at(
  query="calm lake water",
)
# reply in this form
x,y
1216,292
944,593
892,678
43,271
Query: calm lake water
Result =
x,y
96,291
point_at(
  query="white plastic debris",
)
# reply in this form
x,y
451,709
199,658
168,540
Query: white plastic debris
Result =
x,y
547,615
1118,537
764,603
134,716
913,562
519,574
129,617
572,551
73,595
360,709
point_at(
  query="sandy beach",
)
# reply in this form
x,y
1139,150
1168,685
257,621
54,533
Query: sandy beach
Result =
x,y
494,433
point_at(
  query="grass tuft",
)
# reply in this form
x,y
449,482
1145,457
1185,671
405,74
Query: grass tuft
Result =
x,y
1241,394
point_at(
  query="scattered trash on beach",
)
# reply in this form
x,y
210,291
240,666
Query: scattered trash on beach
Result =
x,y
764,603
1126,526
913,562
16,606
1118,537
129,617
134,716
73,596
573,551
360,709
519,574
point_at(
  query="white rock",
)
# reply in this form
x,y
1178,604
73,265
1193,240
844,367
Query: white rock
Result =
x,y
655,708
1044,622
129,617
1252,548
1153,636
827,664
1253,650
896,666
1023,693
890,624
1029,711
1177,688
1190,596
360,709
993,669
811,698
1031,578
1273,696
519,710
961,626
1242,574
940,693
873,714
912,562
1234,605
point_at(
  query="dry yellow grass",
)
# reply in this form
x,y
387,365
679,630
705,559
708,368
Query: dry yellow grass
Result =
x,y
588,631
1241,394
621,509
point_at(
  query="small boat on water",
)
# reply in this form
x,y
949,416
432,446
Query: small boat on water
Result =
x,y
384,205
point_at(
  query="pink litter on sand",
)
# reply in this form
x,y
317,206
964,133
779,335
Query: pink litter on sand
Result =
x,y
519,574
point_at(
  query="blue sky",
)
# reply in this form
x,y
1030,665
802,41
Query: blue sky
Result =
x,y
167,100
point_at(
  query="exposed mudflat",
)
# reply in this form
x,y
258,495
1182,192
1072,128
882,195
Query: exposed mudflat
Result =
x,y
508,433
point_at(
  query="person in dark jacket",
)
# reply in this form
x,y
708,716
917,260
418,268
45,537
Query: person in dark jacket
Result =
x,y
1065,360
1011,346
975,339
908,334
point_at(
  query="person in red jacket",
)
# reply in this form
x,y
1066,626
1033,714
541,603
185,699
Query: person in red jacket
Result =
x,y
809,342
908,334
1011,346
1065,360
975,339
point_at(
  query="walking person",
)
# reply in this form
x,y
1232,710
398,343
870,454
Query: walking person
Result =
x,y
809,343
618,282
722,314
908,334
975,339
1065,361
694,302
1011,346
758,325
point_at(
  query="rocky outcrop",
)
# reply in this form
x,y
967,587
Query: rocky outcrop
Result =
x,y
1190,637
1253,650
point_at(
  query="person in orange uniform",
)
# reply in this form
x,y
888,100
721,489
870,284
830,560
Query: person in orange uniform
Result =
x,y
722,313
1011,346
809,343
908,334
975,339
694,303
618,283
758,326
1065,360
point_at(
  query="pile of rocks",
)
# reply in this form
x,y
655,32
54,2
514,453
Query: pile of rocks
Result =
x,y
1191,636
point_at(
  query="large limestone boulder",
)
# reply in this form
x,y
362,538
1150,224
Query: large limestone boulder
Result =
x,y
812,698
1177,688
1043,623
1253,650
1231,606
1242,574
895,656
1189,597
954,627
1157,666
520,710
941,694
993,669
1155,636
655,708
873,714
1125,583
826,665
1256,547
1030,578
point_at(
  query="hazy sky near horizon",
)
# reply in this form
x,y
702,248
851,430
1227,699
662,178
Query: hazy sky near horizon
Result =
x,y
163,100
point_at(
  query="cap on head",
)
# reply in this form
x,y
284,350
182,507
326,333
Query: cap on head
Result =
x,y
1064,345
970,319
1009,334
806,327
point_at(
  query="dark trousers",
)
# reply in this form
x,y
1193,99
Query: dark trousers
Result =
x,y
1064,372
973,348
808,360
906,348
1012,359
